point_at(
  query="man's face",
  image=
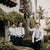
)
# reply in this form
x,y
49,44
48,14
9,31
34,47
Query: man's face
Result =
x,y
20,24
13,25
38,25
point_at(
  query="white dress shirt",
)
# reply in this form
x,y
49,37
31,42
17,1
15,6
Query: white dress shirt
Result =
x,y
12,31
20,31
37,33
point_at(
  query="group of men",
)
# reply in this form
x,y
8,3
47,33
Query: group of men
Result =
x,y
17,34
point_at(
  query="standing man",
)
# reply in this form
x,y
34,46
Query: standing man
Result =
x,y
20,32
12,31
37,36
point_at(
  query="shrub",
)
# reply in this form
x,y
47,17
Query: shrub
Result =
x,y
9,46
27,42
32,24
42,42
45,38
12,16
48,37
15,17
46,46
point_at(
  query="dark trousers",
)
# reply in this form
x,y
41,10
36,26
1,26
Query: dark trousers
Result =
x,y
12,39
19,41
36,45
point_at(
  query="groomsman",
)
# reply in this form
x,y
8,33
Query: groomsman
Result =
x,y
12,31
36,37
20,33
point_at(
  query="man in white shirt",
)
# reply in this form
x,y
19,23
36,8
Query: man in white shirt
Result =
x,y
20,32
37,36
12,31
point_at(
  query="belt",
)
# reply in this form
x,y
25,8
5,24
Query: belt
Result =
x,y
36,38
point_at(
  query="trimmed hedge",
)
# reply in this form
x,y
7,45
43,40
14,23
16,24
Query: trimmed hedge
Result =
x,y
48,37
9,46
27,42
45,38
11,16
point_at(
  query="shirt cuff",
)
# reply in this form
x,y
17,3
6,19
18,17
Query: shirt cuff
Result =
x,y
32,40
23,35
39,39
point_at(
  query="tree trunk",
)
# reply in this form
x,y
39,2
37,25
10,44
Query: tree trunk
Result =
x,y
26,28
35,9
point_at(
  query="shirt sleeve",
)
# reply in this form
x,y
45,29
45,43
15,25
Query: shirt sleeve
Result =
x,y
16,31
23,32
31,29
41,35
10,31
33,37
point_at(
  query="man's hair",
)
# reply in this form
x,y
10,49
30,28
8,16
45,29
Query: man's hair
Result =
x,y
19,22
37,23
12,23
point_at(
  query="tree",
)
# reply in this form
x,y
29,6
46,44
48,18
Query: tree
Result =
x,y
15,17
11,16
3,14
40,12
48,25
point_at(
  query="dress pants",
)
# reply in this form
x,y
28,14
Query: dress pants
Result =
x,y
36,45
19,41
12,39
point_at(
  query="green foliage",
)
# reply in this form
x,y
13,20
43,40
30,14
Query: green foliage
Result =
x,y
42,42
4,45
45,38
32,23
27,42
40,12
47,21
3,14
33,13
12,16
49,37
15,17
46,46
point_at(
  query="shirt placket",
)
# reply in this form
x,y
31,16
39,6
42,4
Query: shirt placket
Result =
x,y
36,34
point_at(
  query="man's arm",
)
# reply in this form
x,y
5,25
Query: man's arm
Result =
x,y
10,32
33,37
23,33
30,29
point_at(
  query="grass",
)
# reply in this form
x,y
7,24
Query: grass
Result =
x,y
46,46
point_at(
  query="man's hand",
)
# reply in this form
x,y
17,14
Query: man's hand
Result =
x,y
21,36
36,40
33,42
